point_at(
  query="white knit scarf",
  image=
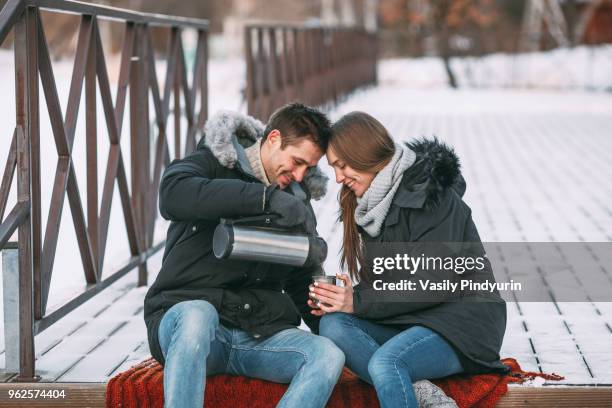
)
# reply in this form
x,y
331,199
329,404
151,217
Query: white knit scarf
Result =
x,y
373,206
253,153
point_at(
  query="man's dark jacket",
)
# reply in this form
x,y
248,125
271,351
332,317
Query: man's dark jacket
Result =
x,y
216,181
428,208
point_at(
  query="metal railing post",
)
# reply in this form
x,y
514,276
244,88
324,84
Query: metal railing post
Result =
x,y
26,109
139,150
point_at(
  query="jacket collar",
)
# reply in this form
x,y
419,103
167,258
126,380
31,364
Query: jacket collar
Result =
x,y
436,169
406,199
413,198
228,133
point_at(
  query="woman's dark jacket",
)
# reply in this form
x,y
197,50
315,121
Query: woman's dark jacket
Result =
x,y
216,182
428,208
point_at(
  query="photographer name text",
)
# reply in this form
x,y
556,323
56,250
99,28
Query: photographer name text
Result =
x,y
447,285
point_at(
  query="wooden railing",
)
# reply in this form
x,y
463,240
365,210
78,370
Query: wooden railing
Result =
x,y
137,73
316,66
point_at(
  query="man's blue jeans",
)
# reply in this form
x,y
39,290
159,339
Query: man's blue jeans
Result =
x,y
195,345
389,358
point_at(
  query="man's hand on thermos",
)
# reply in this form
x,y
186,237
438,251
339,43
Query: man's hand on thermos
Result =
x,y
292,210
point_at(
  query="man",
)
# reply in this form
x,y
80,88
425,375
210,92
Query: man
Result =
x,y
208,316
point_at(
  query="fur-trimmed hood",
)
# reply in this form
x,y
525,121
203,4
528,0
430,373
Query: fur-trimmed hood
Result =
x,y
228,133
435,169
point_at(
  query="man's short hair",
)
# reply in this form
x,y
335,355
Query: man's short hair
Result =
x,y
297,122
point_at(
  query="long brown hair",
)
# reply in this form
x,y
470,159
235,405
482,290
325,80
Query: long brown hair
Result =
x,y
363,143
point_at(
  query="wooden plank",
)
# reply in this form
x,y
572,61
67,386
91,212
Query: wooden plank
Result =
x,y
96,365
140,353
545,397
74,348
92,337
517,342
93,395
73,325
5,377
74,321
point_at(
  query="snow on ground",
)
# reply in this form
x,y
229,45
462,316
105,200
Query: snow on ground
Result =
x,y
520,149
579,68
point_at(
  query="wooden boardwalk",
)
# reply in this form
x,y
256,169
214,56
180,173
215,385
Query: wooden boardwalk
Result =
x,y
538,172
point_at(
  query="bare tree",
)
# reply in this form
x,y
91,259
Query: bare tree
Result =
x,y
445,20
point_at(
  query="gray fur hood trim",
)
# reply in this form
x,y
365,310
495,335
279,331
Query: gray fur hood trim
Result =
x,y
436,169
228,133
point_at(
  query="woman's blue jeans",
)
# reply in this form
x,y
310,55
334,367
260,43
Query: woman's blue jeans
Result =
x,y
389,358
195,345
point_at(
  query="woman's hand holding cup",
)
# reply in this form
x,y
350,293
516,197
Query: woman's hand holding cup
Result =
x,y
329,298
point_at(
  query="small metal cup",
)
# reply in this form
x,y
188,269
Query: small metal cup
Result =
x,y
323,279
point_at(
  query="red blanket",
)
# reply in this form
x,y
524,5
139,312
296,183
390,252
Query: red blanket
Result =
x,y
142,386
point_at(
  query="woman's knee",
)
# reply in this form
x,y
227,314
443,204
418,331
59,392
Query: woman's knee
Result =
x,y
385,362
336,326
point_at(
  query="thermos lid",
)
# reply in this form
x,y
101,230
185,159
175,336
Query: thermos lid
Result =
x,y
223,240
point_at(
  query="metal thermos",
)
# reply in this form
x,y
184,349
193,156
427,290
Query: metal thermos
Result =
x,y
236,239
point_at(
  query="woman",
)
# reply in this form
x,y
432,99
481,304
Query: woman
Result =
x,y
402,193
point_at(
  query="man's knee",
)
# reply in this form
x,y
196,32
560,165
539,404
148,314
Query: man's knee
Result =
x,y
197,320
326,354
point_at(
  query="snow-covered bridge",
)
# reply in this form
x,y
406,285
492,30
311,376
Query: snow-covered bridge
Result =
x,y
537,167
